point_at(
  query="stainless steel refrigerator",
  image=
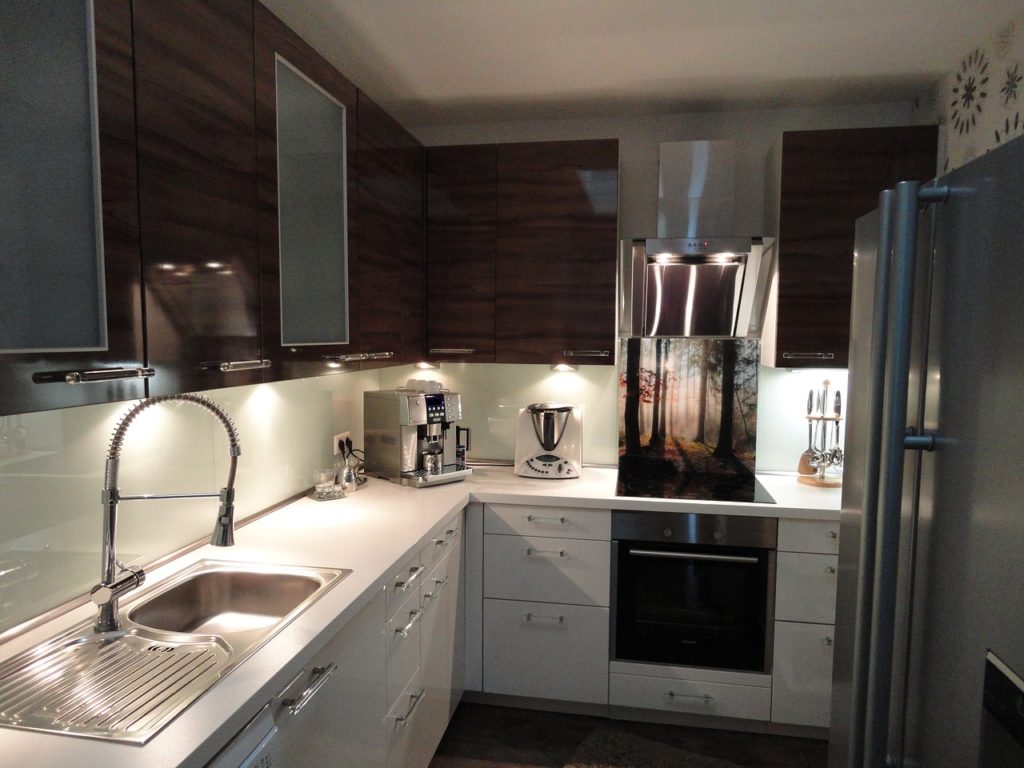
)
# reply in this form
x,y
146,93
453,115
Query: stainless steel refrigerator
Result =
x,y
930,624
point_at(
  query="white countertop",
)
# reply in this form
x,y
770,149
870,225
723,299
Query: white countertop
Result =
x,y
370,533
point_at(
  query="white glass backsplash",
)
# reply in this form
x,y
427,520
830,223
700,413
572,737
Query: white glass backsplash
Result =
x,y
50,513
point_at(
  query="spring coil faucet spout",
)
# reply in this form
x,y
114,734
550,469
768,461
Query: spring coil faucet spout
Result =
x,y
116,578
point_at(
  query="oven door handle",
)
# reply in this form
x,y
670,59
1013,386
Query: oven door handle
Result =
x,y
741,559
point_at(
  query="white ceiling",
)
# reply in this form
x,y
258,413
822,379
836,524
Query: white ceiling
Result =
x,y
461,61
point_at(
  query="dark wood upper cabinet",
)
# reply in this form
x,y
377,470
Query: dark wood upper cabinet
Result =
x,y
557,230
323,325
820,183
197,191
389,278
461,243
32,380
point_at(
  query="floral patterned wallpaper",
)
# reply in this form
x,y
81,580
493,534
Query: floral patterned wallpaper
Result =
x,y
981,102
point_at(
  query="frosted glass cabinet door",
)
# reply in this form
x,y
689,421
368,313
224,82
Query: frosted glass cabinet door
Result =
x,y
70,292
305,125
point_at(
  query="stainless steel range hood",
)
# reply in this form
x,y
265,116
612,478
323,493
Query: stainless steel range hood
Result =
x,y
696,278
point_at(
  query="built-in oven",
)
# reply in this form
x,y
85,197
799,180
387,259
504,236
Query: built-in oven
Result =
x,y
693,589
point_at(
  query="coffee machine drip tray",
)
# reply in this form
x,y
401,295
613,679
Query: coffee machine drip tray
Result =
x,y
450,473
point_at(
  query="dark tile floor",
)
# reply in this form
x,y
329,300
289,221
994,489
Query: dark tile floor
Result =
x,y
497,737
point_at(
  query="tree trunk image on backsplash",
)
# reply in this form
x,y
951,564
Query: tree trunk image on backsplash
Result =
x,y
688,417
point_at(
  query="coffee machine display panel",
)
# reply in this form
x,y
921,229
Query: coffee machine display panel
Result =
x,y
549,439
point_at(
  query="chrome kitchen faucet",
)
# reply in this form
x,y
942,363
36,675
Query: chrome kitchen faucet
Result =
x,y
112,585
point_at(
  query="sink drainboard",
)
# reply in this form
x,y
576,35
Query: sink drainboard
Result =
x,y
123,686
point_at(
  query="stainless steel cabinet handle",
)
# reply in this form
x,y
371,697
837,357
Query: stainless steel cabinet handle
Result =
x,y
355,357
452,350
92,376
701,696
539,519
414,573
827,641
808,355
587,352
415,615
236,365
380,355
530,551
833,534
539,617
830,570
320,676
742,559
416,699
440,585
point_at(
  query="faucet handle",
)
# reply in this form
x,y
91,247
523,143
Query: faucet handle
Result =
x,y
224,530
130,578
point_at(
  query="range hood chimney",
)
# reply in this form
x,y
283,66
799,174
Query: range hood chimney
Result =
x,y
697,278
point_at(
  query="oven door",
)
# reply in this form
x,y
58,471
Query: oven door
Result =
x,y
693,604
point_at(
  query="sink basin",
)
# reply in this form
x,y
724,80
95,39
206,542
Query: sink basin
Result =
x,y
174,643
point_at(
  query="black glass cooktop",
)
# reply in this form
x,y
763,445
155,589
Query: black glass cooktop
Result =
x,y
646,477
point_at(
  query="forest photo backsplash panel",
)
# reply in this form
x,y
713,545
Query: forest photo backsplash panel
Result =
x,y
688,418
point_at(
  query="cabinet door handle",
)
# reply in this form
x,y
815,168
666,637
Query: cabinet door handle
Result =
x,y
539,519
701,696
540,617
414,573
230,366
739,559
91,376
379,355
827,641
415,615
830,570
320,676
833,534
808,355
587,352
452,350
416,699
530,552
440,585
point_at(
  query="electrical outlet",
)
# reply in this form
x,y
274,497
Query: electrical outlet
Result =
x,y
339,440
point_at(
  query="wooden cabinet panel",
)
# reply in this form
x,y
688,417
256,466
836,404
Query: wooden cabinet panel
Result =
x,y
197,190
557,208
273,40
461,239
827,180
115,94
390,273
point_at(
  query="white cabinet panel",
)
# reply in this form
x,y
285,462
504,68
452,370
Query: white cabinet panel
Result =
x,y
401,724
802,674
555,522
403,645
546,651
690,696
473,540
820,536
573,571
806,588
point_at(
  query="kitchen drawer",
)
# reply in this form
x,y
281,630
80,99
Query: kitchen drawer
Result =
x,y
574,571
802,673
403,644
689,696
404,582
820,536
555,522
403,749
442,541
546,651
805,588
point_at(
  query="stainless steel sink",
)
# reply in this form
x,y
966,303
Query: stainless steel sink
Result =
x,y
174,643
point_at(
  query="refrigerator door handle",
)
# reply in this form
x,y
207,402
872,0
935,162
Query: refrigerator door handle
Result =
x,y
908,197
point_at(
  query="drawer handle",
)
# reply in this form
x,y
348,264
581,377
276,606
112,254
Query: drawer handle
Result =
x,y
414,573
830,570
451,533
230,366
539,519
440,584
587,352
452,350
705,698
415,615
415,698
828,642
833,534
88,377
320,675
530,551
539,617
808,356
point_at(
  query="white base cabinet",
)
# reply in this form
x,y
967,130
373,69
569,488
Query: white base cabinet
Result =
x,y
546,650
693,697
802,674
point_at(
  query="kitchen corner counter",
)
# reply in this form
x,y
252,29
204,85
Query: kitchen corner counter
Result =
x,y
371,532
